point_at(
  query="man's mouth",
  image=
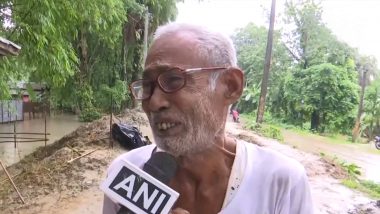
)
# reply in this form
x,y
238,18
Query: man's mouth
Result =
x,y
163,126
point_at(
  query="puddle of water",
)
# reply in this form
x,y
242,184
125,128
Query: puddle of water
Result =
x,y
57,125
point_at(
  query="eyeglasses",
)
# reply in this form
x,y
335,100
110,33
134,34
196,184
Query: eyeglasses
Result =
x,y
169,81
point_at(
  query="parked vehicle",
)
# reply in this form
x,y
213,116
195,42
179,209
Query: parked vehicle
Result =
x,y
377,142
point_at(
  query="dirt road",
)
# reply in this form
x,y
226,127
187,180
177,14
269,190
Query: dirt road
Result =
x,y
329,196
351,153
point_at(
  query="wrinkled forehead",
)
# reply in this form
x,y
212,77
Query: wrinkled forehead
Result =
x,y
175,50
155,69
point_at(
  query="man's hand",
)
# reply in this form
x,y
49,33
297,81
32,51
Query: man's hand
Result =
x,y
179,211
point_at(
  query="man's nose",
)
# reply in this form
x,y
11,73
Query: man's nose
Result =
x,y
158,101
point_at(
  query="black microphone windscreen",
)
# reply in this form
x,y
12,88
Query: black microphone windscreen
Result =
x,y
161,166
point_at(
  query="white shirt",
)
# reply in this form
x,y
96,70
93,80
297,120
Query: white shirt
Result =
x,y
262,181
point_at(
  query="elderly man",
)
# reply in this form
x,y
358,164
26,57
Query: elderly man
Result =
x,y
190,80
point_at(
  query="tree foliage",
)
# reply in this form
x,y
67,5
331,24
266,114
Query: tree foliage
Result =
x,y
314,76
250,45
323,92
80,49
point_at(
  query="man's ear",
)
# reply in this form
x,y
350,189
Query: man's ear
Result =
x,y
233,82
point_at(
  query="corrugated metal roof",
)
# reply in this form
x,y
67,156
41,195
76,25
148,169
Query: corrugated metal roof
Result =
x,y
8,48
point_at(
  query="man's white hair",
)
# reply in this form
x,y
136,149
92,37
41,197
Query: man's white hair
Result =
x,y
215,47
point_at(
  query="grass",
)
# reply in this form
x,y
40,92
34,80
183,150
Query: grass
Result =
x,y
369,188
352,184
330,138
274,130
342,140
335,139
266,130
374,188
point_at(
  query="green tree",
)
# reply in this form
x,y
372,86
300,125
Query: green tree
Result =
x,y
79,47
50,33
367,70
307,32
325,93
312,44
250,44
160,11
370,119
309,41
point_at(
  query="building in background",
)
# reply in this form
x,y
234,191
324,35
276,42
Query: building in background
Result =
x,y
8,48
10,110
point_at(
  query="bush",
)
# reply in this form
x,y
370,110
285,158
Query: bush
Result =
x,y
272,132
89,115
369,187
119,94
84,97
352,169
263,129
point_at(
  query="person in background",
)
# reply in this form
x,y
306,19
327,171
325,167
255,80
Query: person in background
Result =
x,y
235,115
189,81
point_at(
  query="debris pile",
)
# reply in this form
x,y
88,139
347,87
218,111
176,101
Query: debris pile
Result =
x,y
65,168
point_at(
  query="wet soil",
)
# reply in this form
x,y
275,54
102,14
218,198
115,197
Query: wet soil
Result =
x,y
363,155
329,195
51,182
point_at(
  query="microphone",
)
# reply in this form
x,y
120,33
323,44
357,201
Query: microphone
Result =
x,y
143,191
161,166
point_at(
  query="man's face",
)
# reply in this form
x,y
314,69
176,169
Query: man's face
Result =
x,y
185,121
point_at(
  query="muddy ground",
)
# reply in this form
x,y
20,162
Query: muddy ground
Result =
x,y
51,180
329,196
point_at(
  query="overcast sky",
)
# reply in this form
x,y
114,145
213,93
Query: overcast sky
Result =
x,y
356,22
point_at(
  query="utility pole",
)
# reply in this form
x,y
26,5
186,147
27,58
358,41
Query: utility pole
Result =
x,y
146,33
356,129
268,57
